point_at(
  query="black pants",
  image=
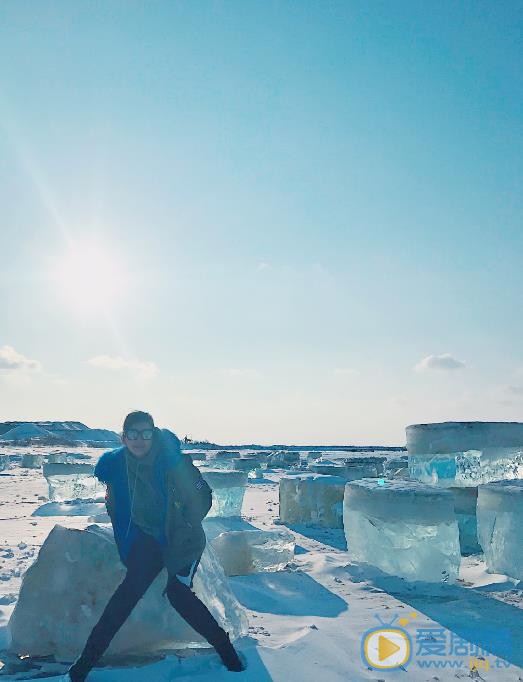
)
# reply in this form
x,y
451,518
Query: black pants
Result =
x,y
144,563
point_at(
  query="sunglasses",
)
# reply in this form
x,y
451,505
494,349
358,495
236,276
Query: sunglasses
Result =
x,y
133,434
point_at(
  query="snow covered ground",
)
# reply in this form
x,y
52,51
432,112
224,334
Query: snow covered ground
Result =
x,y
306,622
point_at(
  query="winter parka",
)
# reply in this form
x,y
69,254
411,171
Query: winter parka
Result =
x,y
186,498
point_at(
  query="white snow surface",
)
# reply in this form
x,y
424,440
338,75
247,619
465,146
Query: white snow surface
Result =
x,y
305,622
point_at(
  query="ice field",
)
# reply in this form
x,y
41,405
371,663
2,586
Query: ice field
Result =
x,y
306,613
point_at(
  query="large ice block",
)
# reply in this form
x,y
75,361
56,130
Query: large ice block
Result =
x,y
465,453
4,462
31,460
228,490
72,481
314,499
249,551
500,526
65,591
57,458
465,501
405,528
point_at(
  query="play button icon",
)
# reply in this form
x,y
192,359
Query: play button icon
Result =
x,y
386,648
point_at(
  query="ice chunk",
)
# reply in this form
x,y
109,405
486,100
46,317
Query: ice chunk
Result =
x,y
397,467
328,468
65,591
375,463
314,499
228,490
500,527
4,462
465,501
246,463
72,481
57,458
221,459
30,460
250,551
283,459
465,453
405,528
355,470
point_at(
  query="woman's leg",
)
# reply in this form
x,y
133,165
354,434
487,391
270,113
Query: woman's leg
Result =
x,y
200,618
143,565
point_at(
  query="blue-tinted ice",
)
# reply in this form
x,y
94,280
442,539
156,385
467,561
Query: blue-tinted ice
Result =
x,y
405,528
72,481
465,453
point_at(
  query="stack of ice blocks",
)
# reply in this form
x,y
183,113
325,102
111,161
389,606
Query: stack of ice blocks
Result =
x,y
314,499
465,453
405,528
458,455
500,526
228,490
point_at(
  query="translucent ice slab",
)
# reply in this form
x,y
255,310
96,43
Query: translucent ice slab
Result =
x,y
66,589
397,467
228,490
31,461
314,499
4,462
249,551
57,458
246,463
465,453
283,459
328,468
72,481
356,470
500,526
405,528
375,461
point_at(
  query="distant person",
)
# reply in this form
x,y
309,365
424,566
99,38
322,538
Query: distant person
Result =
x,y
156,499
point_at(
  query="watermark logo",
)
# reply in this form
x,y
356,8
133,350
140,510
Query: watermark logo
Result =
x,y
387,647
391,647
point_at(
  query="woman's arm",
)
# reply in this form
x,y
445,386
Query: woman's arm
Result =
x,y
192,490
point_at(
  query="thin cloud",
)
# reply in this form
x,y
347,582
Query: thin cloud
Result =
x,y
10,359
263,266
444,362
117,363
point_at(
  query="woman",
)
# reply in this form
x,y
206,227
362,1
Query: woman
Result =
x,y
156,499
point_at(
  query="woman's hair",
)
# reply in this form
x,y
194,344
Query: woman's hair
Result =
x,y
135,417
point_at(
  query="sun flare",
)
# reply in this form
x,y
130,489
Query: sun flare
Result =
x,y
91,277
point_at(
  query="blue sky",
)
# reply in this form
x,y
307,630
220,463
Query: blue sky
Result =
x,y
301,222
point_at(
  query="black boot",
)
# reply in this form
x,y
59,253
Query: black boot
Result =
x,y
228,654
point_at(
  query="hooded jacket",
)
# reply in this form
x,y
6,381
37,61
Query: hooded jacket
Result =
x,y
185,500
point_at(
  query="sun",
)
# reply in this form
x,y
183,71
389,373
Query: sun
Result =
x,y
91,277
